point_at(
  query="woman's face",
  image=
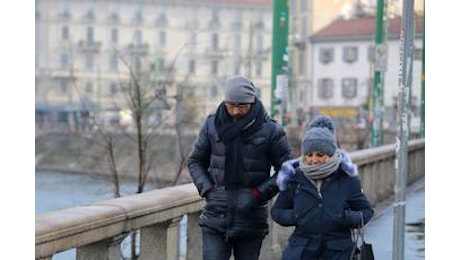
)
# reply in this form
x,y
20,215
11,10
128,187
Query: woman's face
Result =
x,y
316,158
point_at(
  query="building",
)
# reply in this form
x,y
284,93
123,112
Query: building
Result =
x,y
343,67
87,54
307,18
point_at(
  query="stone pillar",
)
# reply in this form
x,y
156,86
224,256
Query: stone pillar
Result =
x,y
194,240
153,241
173,239
104,249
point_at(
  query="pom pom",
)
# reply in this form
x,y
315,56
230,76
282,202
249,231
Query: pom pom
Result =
x,y
323,121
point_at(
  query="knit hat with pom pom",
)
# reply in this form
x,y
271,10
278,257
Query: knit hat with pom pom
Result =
x,y
320,136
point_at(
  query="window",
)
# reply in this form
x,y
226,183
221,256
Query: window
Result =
x,y
191,66
259,44
325,88
349,87
326,55
370,53
136,63
192,40
115,11
214,67
65,8
237,41
113,62
37,9
215,42
259,25
89,87
138,37
214,23
161,64
237,22
236,66
90,34
64,60
139,15
65,33
114,17
192,19
213,91
301,63
162,19
114,35
63,86
350,54
89,62
259,68
113,88
162,38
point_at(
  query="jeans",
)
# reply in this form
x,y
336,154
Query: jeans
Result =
x,y
217,247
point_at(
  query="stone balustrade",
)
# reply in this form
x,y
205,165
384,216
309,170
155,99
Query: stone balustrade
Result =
x,y
97,230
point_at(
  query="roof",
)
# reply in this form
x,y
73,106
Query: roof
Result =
x,y
362,27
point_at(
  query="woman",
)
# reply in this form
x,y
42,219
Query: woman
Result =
x,y
321,195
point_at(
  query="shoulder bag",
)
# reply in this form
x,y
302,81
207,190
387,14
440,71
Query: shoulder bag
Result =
x,y
362,250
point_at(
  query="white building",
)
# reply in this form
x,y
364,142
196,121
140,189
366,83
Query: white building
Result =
x,y
84,51
343,69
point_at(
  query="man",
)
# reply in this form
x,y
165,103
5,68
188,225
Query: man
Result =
x,y
230,164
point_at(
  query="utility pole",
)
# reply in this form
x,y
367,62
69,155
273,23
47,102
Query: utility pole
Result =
x,y
279,57
380,67
422,91
406,47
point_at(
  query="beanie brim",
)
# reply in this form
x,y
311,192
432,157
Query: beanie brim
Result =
x,y
318,145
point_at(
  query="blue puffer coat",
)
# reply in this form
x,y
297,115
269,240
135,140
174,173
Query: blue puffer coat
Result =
x,y
236,212
322,218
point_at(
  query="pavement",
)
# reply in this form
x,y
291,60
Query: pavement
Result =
x,y
379,231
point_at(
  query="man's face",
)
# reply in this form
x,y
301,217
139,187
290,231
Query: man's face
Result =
x,y
237,110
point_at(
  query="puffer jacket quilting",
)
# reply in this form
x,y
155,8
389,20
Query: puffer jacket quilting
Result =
x,y
236,211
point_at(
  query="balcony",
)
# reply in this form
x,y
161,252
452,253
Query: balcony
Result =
x,y
89,46
214,53
114,18
89,17
64,16
138,48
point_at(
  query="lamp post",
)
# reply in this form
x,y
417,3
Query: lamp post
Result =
x,y
379,69
279,54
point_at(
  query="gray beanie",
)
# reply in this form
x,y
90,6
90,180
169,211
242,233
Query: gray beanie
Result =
x,y
239,89
320,136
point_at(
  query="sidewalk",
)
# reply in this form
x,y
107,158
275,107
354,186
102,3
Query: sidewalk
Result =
x,y
379,232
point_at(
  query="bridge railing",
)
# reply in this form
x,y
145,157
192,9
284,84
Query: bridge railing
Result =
x,y
97,230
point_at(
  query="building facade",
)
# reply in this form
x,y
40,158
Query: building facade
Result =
x,y
88,52
343,65
308,18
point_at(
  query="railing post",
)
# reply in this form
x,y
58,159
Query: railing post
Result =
x,y
172,242
153,241
104,249
194,243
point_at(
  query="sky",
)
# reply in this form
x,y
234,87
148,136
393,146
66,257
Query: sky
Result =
x,y
17,67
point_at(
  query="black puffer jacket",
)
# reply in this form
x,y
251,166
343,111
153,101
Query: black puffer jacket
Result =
x,y
235,211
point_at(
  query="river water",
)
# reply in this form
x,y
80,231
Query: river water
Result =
x,y
55,191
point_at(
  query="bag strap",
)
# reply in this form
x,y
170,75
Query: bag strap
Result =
x,y
356,234
361,228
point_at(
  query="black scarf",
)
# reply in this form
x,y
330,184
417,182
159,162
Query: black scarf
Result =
x,y
232,132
